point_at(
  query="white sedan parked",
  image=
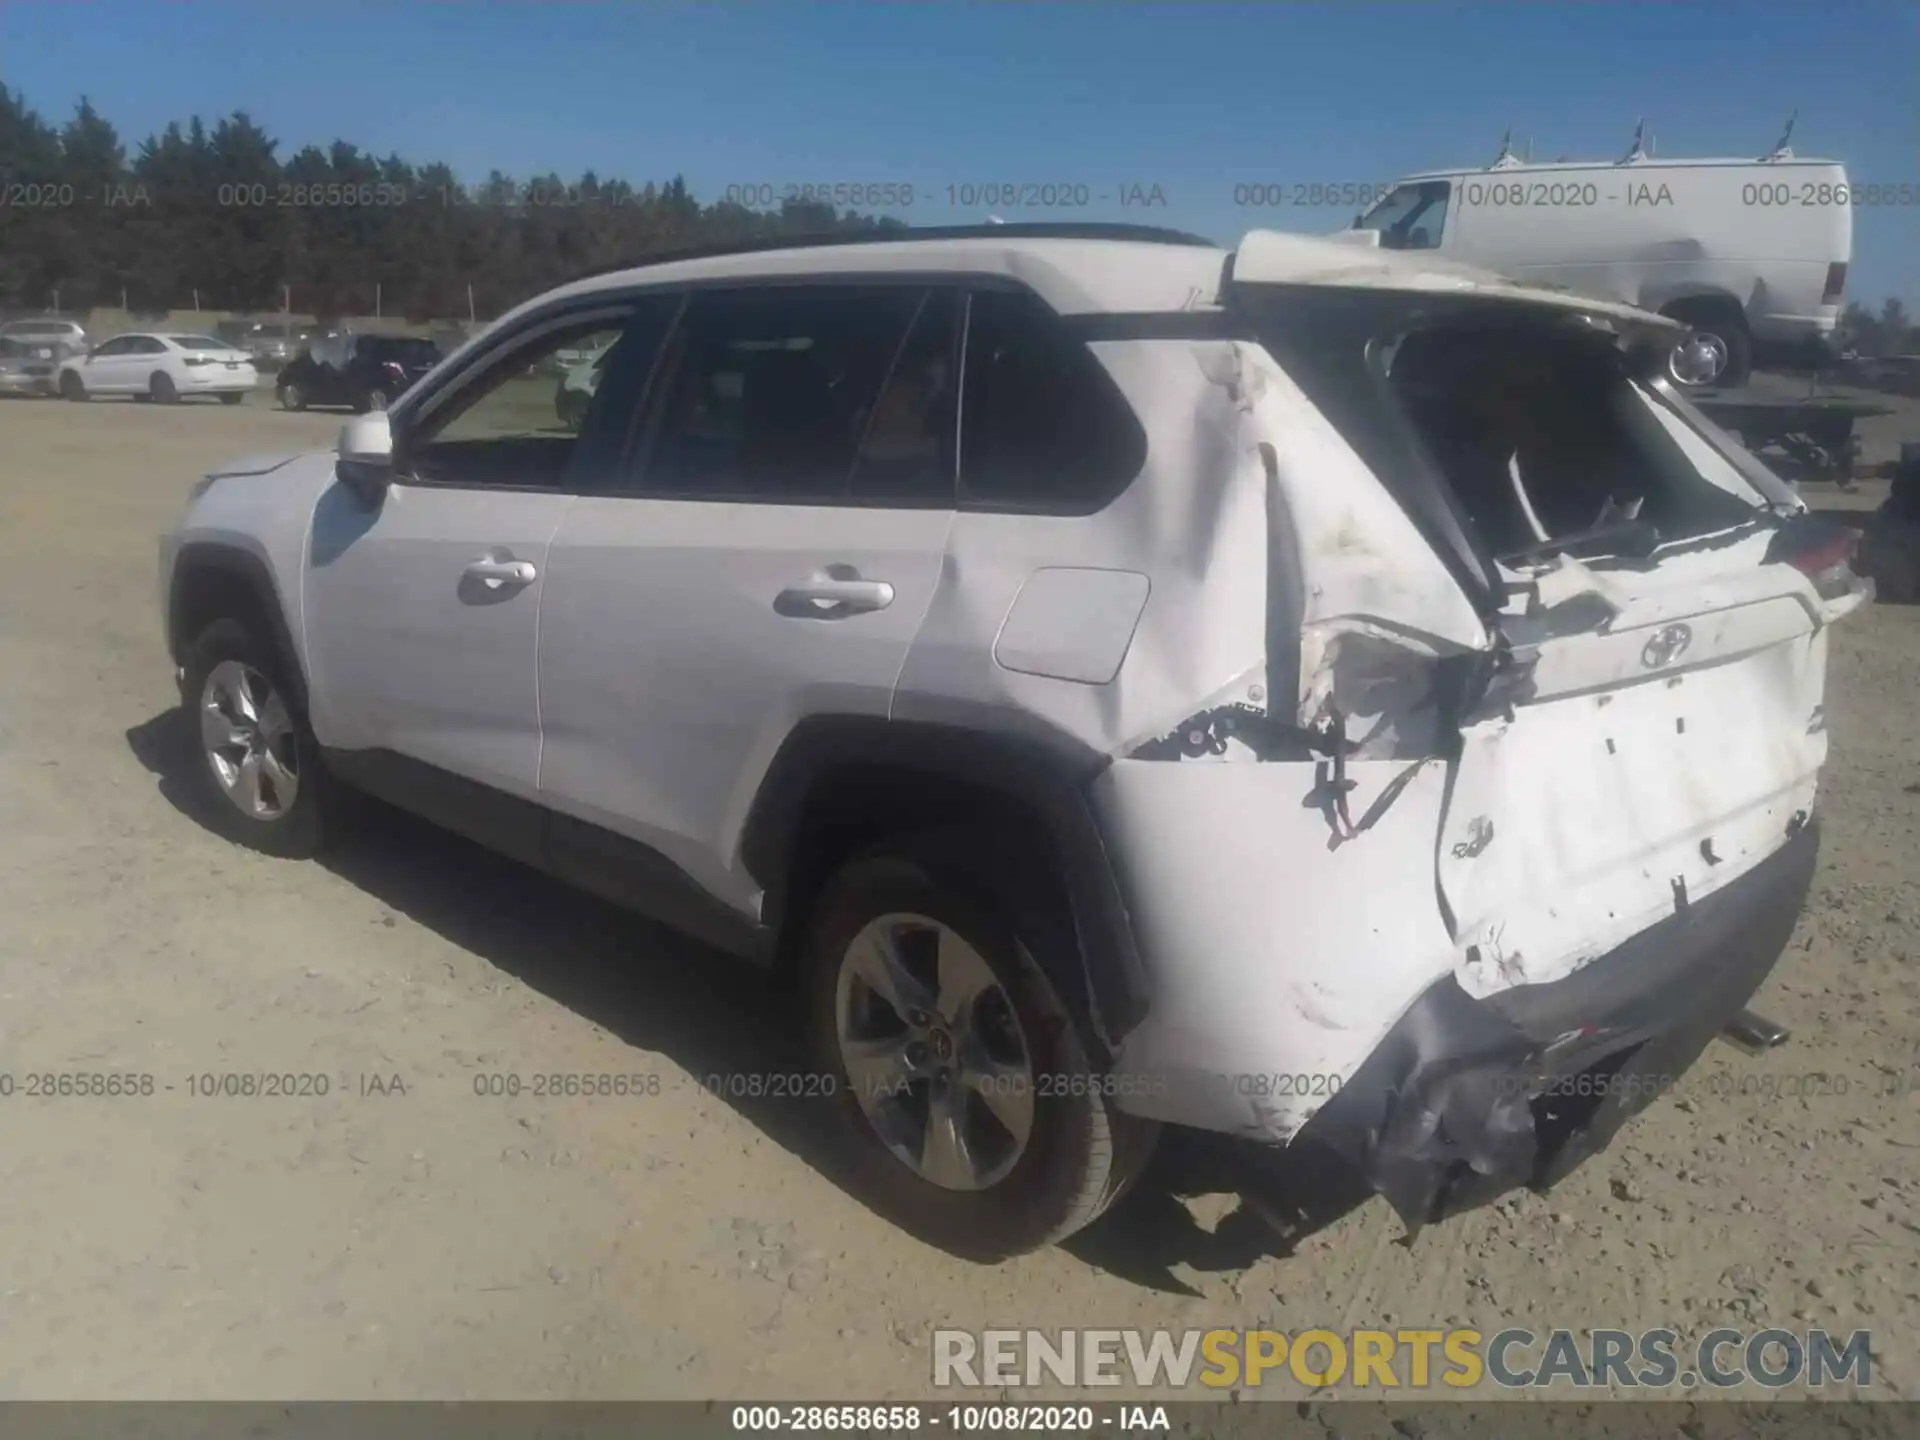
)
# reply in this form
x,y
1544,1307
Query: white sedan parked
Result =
x,y
159,367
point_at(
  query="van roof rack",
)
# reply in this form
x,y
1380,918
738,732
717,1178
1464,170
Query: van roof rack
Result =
x,y
1002,230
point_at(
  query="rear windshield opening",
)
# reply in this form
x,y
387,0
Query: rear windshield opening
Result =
x,y
1533,424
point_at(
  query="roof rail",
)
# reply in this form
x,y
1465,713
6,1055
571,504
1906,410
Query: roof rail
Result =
x,y
1023,230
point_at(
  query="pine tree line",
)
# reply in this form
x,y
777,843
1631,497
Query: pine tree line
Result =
x,y
213,218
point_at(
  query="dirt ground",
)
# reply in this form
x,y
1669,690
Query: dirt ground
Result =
x,y
404,1237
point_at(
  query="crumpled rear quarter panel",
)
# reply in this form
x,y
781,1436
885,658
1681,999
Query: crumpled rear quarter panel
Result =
x,y
1277,958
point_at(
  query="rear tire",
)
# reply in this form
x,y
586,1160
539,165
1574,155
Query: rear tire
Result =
x,y
1079,1152
292,397
160,386
289,787
72,387
1716,354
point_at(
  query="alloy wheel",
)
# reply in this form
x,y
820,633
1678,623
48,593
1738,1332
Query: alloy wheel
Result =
x,y
934,1052
248,739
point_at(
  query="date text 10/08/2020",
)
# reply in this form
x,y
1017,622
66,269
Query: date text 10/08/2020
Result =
x,y
1015,1419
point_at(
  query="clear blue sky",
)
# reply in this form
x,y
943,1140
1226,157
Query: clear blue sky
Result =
x,y
1194,98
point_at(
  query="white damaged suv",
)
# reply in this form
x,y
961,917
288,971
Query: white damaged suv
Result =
x,y
1300,692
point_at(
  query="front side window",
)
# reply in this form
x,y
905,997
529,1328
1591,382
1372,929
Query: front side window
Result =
x,y
119,345
1412,217
1043,425
774,394
510,424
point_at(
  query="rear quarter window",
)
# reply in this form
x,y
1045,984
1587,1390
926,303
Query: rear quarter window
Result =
x,y
1043,427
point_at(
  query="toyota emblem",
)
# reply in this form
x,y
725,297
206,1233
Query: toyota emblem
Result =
x,y
1668,644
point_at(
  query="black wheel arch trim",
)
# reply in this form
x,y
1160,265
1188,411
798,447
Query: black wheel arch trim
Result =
x,y
1046,783
252,572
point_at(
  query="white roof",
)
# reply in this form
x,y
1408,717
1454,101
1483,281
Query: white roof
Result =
x,y
1074,276
1103,276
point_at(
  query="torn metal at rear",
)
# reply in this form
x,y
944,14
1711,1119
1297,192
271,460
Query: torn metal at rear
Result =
x,y
1424,858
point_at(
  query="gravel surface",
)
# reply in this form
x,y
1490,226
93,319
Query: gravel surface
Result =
x,y
401,1236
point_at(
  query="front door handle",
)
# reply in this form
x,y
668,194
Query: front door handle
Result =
x,y
833,594
496,573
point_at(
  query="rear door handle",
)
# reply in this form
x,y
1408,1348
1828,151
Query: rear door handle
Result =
x,y
830,595
498,573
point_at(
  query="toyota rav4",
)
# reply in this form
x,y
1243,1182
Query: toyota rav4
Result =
x,y
1299,692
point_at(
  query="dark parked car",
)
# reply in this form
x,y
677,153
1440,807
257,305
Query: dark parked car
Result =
x,y
366,372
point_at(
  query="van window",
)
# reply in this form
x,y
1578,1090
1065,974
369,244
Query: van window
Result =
x,y
1413,217
1044,427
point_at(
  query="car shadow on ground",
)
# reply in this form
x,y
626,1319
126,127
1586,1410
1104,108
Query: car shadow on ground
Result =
x,y
725,1023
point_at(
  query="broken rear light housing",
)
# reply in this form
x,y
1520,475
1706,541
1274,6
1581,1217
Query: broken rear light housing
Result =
x,y
1820,550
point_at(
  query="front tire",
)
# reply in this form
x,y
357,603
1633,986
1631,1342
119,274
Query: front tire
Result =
x,y
292,397
967,1107
72,387
256,767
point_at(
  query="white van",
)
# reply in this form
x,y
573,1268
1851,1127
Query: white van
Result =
x,y
1750,253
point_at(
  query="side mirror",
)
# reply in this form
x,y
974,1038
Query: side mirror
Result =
x,y
365,463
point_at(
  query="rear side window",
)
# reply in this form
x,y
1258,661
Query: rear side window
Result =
x,y
1043,426
773,394
908,451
